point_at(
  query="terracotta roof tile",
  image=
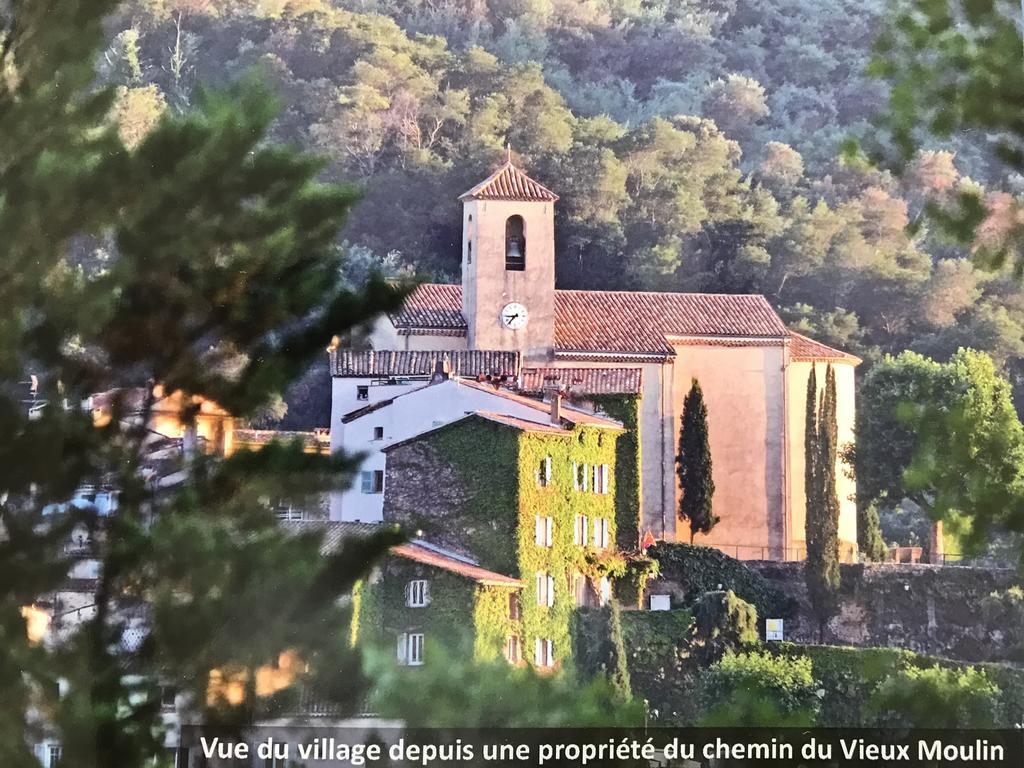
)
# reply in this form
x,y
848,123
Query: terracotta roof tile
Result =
x,y
509,183
569,414
585,381
804,348
521,424
346,362
622,322
336,533
434,557
432,306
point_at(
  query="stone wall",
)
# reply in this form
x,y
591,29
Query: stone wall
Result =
x,y
928,609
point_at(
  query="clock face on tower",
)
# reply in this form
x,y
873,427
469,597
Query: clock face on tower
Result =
x,y
514,316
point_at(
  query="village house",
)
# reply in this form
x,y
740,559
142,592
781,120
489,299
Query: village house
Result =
x,y
615,350
537,503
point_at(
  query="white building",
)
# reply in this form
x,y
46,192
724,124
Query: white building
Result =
x,y
390,412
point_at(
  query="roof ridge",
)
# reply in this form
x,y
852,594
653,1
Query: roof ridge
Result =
x,y
516,185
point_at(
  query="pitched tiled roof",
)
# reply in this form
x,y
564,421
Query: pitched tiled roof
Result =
x,y
509,183
335,534
616,322
585,381
434,556
432,306
569,414
803,348
523,425
345,362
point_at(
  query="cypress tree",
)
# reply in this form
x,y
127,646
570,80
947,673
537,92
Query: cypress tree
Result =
x,y
693,464
821,570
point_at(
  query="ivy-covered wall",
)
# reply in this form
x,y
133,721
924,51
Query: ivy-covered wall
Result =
x,y
626,409
455,486
687,572
560,500
463,615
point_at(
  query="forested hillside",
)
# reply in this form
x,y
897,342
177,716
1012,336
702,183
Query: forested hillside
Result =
x,y
694,144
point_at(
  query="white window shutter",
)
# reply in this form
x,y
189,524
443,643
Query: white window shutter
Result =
x,y
549,530
408,593
547,470
575,476
538,652
605,478
551,652
586,530
586,477
402,657
426,593
551,591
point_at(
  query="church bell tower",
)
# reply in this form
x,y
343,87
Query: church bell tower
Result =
x,y
508,264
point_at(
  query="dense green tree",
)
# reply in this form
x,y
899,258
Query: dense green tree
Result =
x,y
693,465
221,283
947,437
936,697
821,569
758,689
492,694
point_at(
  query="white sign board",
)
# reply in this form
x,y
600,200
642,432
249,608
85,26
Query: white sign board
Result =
x,y
661,602
773,629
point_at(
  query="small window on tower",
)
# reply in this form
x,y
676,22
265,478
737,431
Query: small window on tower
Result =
x,y
515,244
469,252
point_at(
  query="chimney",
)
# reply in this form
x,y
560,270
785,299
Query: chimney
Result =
x,y
556,407
441,371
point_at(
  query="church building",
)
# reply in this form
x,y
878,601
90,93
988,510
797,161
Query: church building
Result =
x,y
508,323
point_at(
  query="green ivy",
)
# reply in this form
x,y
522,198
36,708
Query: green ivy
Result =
x,y
625,409
493,622
704,569
496,520
562,503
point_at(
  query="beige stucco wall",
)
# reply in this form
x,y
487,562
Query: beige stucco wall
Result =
x,y
384,336
744,392
487,286
796,386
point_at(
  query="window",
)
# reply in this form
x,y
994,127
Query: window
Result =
x,y
378,433
410,649
372,481
661,602
513,652
469,251
543,473
515,244
513,606
580,477
545,589
601,478
544,653
581,532
417,593
544,530
581,590
362,392
605,590
54,752
601,533
286,513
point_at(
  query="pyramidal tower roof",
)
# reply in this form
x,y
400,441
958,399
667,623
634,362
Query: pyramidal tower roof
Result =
x,y
509,183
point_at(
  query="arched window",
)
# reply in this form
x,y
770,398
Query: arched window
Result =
x,y
515,244
469,252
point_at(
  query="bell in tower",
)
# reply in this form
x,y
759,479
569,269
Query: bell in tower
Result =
x,y
515,244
